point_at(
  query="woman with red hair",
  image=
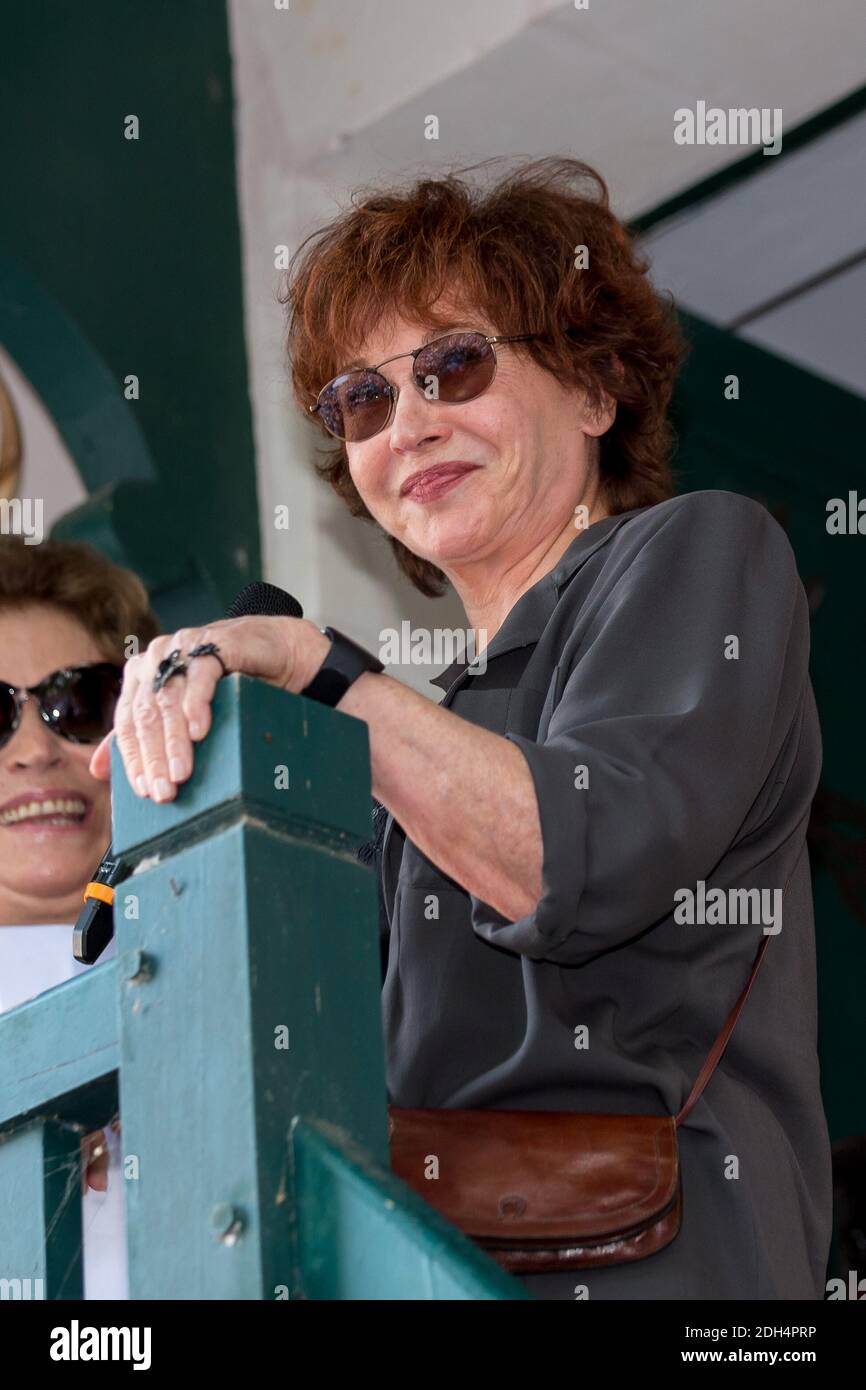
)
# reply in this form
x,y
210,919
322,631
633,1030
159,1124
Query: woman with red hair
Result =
x,y
636,739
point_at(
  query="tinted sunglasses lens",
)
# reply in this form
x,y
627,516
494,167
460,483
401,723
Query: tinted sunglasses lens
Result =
x,y
355,406
7,715
456,368
81,705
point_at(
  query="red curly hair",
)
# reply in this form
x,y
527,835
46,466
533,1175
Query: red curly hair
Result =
x,y
507,252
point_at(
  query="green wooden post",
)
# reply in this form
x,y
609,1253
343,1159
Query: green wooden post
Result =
x,y
250,986
246,947
40,1212
58,1080
242,1018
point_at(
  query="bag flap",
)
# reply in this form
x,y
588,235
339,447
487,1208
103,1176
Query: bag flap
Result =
x,y
506,1175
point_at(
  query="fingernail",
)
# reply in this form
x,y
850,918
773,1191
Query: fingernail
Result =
x,y
176,768
161,789
195,729
141,784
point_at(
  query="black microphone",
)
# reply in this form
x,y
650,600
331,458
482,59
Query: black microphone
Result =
x,y
266,600
95,925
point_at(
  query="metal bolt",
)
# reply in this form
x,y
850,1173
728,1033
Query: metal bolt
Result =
x,y
139,967
227,1223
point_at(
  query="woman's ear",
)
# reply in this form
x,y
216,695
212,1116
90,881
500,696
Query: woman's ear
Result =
x,y
598,420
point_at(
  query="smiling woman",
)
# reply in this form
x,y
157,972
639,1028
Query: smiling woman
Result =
x,y
66,616
504,421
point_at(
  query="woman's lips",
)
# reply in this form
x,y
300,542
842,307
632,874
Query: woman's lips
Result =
x,y
434,482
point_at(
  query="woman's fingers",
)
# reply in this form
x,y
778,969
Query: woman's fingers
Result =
x,y
162,736
199,687
100,762
94,1162
155,729
125,730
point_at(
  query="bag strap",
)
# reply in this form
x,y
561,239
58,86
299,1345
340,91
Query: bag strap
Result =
x,y
718,1047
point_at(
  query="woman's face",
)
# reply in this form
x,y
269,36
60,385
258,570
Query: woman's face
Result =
x,y
527,436
44,866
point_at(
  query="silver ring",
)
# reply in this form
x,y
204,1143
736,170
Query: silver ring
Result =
x,y
172,665
209,649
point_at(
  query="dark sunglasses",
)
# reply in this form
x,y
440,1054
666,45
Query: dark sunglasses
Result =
x,y
77,702
455,368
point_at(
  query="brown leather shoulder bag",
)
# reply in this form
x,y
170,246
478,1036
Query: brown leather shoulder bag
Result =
x,y
544,1190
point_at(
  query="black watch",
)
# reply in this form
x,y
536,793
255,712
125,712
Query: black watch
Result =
x,y
344,663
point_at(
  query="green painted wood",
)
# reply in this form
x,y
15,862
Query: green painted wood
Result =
x,y
76,385
259,999
59,1052
244,997
260,739
248,941
363,1234
40,1212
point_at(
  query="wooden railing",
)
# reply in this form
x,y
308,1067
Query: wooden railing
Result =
x,y
238,1031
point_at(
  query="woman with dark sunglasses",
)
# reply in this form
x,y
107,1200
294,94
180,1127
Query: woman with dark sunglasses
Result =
x,y
493,369
65,616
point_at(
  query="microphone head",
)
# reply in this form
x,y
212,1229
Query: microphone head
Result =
x,y
266,600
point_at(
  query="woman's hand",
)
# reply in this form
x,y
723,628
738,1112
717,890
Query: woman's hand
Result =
x,y
94,1161
155,730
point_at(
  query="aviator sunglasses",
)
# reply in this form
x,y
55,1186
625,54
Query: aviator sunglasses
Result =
x,y
454,368
76,702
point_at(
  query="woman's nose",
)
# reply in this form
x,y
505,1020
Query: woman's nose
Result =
x,y
32,744
416,417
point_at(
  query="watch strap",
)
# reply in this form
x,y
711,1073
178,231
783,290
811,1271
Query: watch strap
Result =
x,y
344,663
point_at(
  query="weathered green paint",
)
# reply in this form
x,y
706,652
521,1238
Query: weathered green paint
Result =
x,y
260,739
244,934
40,1212
59,1052
245,996
362,1234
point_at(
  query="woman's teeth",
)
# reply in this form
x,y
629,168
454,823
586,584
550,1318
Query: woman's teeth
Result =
x,y
55,812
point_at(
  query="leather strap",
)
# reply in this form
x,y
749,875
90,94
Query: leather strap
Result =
x,y
718,1047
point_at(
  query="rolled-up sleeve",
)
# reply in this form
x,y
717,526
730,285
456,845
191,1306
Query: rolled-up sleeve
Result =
x,y
676,697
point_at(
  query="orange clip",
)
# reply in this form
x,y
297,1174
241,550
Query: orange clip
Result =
x,y
99,890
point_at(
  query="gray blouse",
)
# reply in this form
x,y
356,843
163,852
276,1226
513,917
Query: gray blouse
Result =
x,y
657,683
